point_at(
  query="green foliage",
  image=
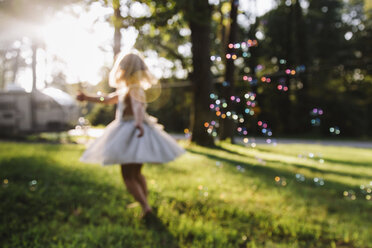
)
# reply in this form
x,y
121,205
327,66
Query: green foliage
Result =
x,y
101,114
162,31
173,109
337,66
198,203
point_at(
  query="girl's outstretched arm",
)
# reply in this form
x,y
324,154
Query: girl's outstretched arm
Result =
x,y
111,98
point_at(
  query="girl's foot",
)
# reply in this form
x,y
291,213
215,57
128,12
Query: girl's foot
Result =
x,y
150,219
146,211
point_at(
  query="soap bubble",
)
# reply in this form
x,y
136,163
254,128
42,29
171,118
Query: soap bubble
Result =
x,y
334,130
280,181
212,127
316,113
260,160
203,191
366,189
240,168
5,183
349,194
259,68
315,122
32,185
318,181
187,132
300,177
225,84
282,61
219,164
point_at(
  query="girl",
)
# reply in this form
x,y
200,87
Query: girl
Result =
x,y
134,137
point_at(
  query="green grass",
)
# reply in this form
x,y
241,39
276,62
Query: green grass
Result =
x,y
199,204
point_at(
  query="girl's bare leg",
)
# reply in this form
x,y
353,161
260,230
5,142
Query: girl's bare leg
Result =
x,y
141,179
129,173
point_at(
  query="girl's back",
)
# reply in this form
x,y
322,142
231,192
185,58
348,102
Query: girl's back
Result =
x,y
128,110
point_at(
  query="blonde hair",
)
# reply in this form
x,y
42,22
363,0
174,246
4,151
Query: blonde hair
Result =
x,y
131,71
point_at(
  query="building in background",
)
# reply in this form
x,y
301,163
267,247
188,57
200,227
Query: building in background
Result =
x,y
50,109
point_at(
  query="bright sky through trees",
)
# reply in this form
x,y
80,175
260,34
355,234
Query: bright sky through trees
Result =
x,y
78,44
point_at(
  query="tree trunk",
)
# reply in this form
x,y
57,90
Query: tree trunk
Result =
x,y
33,66
227,125
252,63
223,31
33,91
286,109
201,77
16,65
303,104
117,26
3,70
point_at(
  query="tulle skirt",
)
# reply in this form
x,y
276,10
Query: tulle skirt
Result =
x,y
119,144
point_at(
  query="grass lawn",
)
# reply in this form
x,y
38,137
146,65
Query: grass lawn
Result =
x,y
231,196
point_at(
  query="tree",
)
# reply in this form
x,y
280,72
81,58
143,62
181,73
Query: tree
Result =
x,y
227,124
118,25
198,14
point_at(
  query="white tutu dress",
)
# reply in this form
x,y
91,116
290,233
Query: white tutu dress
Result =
x,y
120,144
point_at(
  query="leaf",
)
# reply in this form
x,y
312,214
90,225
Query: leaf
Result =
x,y
226,8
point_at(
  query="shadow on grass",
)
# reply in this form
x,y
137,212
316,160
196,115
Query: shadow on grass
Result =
x,y
42,199
324,171
89,207
160,231
59,137
252,223
229,151
328,160
349,163
331,189
310,168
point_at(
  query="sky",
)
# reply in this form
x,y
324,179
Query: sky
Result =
x,y
83,44
259,7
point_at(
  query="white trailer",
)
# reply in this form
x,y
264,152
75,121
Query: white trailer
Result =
x,y
47,110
